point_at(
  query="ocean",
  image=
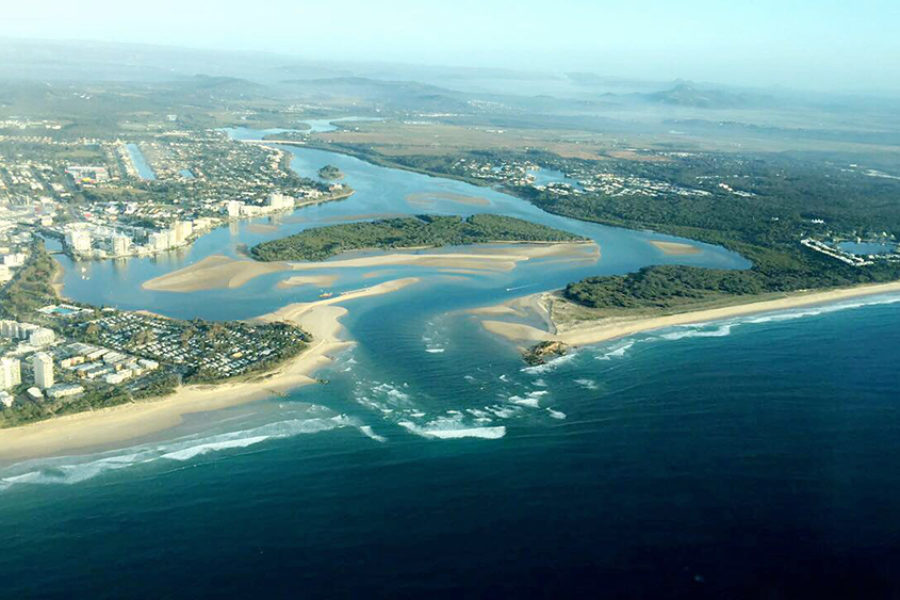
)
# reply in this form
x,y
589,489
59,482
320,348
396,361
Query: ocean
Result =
x,y
754,457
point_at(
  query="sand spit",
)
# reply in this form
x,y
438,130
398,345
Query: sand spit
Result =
x,y
592,332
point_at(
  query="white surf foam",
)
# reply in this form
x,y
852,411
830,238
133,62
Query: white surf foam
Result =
x,y
75,469
189,453
588,384
556,414
531,399
691,331
368,432
447,433
550,365
617,351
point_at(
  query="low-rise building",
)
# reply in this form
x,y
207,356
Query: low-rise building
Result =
x,y
60,391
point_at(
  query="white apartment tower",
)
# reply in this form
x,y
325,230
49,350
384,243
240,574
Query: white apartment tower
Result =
x,y
79,240
10,373
121,245
43,370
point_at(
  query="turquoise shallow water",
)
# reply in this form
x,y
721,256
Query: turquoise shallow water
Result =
x,y
747,458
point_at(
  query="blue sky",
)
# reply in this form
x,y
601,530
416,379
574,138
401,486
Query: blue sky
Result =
x,y
824,44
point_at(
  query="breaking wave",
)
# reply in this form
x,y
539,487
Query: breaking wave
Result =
x,y
725,327
76,469
531,399
452,429
550,365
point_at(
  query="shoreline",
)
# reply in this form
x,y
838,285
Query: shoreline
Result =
x,y
84,431
581,333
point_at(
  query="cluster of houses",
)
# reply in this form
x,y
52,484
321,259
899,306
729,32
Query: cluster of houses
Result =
x,y
90,362
233,350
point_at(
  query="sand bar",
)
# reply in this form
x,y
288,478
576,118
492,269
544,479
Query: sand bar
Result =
x,y
213,273
675,248
301,280
503,258
427,199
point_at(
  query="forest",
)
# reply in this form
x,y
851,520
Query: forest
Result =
x,y
407,232
789,196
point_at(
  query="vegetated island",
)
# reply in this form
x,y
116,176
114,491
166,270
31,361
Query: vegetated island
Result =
x,y
422,231
330,172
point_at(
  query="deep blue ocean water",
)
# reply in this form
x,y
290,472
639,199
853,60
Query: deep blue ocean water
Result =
x,y
756,457
756,460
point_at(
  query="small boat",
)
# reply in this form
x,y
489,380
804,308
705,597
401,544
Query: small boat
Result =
x,y
326,294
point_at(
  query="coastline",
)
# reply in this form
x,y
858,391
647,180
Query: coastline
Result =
x,y
582,333
96,429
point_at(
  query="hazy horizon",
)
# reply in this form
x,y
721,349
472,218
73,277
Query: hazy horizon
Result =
x,y
810,45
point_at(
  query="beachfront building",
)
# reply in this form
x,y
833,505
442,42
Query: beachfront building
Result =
x,y
10,373
278,201
42,363
58,392
183,231
79,240
121,245
159,241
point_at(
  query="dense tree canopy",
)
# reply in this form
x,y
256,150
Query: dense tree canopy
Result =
x,y
423,231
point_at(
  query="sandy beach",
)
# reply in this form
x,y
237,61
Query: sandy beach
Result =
x,y
95,429
213,273
592,332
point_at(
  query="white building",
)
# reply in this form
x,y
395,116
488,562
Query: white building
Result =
x,y
183,230
64,391
234,208
159,241
10,373
16,259
79,240
41,337
121,245
280,201
43,370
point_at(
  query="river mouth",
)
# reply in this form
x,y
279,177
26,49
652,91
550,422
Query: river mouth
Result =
x,y
414,346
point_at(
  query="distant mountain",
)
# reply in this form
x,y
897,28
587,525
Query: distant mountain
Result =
x,y
402,95
688,94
